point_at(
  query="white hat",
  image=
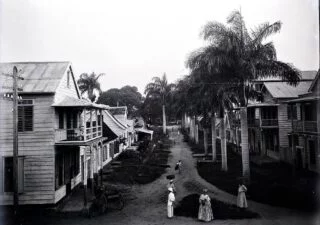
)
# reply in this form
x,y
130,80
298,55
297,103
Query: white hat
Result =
x,y
170,189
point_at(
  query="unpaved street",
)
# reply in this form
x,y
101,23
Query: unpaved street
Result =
x,y
146,204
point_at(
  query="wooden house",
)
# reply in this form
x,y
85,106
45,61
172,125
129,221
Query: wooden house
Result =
x,y
61,140
304,140
269,120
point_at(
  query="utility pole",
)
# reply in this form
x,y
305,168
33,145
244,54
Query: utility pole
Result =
x,y
15,98
15,141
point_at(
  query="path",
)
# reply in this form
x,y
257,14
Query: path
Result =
x,y
148,202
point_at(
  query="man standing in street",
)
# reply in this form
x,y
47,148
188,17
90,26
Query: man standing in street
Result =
x,y
171,199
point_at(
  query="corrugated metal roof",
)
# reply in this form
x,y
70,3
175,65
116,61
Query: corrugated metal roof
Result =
x,y
68,101
305,75
39,77
284,90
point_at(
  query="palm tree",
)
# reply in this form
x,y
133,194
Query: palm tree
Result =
x,y
161,89
238,57
89,84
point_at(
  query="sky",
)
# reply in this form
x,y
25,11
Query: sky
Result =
x,y
133,41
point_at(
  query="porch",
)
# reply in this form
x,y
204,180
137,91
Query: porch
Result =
x,y
77,121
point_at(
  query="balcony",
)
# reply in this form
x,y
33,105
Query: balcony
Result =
x,y
253,122
77,134
305,126
269,122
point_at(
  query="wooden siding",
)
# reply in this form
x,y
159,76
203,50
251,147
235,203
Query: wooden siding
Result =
x,y
285,125
65,90
36,148
36,142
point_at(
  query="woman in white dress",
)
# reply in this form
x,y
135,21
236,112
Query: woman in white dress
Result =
x,y
205,210
242,200
171,199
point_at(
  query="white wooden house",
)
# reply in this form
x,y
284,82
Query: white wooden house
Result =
x,y
61,141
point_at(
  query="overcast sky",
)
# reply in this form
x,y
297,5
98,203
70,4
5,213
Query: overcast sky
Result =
x,y
133,40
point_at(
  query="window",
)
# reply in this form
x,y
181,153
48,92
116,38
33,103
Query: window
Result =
x,y
59,178
312,152
228,135
25,115
295,140
8,174
68,120
75,120
61,120
75,163
292,112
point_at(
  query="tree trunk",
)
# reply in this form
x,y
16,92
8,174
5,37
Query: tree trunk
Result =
x,y
224,163
164,124
213,138
196,133
205,140
244,143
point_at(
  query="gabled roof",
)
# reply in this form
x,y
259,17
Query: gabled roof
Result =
x,y
284,90
307,75
39,77
314,81
113,123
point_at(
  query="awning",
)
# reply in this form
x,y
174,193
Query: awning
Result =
x,y
262,104
68,101
146,131
305,99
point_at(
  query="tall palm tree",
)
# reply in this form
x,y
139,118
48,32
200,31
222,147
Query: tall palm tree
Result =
x,y
89,84
161,89
238,57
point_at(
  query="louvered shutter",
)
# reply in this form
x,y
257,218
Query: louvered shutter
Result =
x,y
20,118
28,118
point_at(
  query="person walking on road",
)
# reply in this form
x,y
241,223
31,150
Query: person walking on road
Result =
x,y
241,199
205,210
171,200
178,166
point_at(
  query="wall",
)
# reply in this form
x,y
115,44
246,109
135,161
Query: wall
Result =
x,y
35,146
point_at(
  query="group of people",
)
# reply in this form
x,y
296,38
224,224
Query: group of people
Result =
x,y
205,209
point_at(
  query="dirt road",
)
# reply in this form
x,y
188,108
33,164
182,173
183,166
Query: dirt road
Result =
x,y
147,203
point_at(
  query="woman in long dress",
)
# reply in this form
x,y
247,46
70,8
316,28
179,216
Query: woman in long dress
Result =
x,y
171,199
205,210
242,200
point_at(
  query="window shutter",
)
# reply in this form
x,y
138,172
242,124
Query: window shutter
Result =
x,y
20,118
20,174
28,114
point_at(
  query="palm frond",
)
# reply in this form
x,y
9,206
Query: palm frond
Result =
x,y
265,30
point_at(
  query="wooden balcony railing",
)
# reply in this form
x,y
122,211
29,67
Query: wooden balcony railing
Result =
x,y
253,122
77,134
305,126
269,122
